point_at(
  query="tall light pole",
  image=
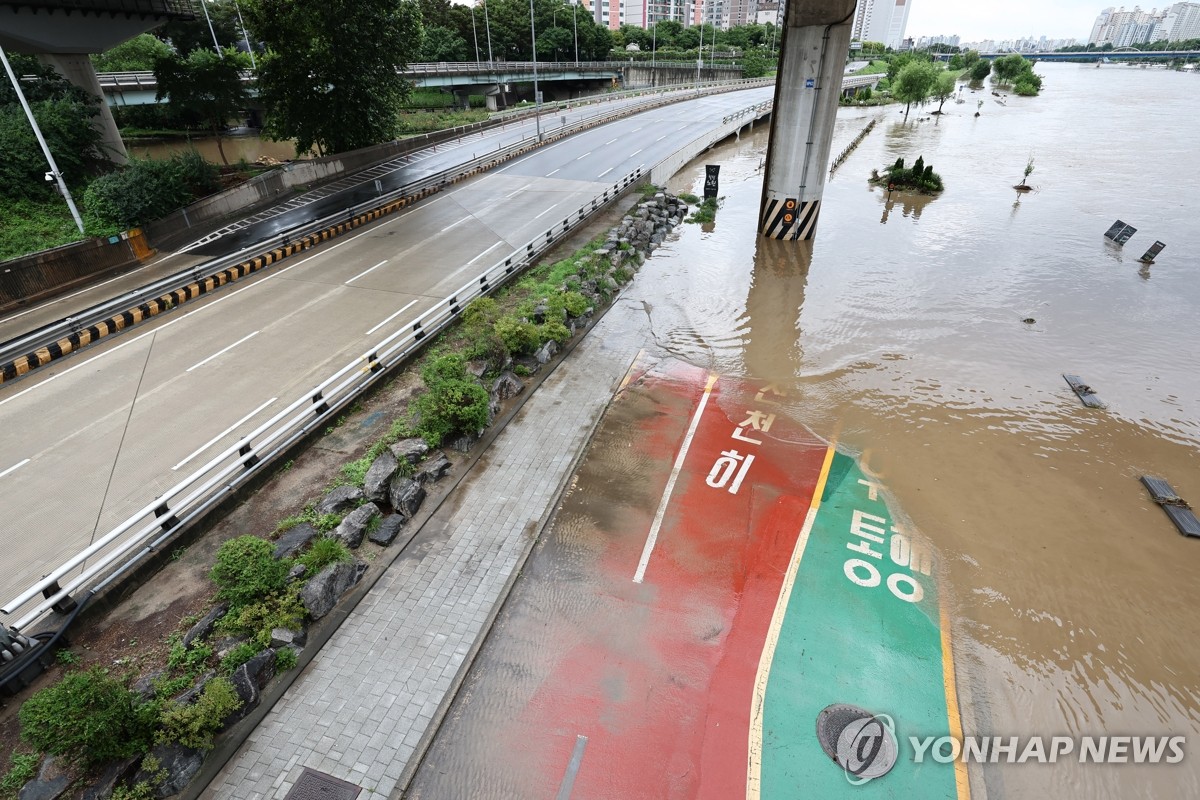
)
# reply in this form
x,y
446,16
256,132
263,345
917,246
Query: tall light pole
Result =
x,y
487,23
475,33
537,96
62,185
700,52
245,35
216,44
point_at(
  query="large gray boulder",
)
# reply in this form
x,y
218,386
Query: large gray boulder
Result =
x,y
410,450
433,469
180,765
205,626
406,496
547,350
51,782
387,531
507,385
375,484
321,593
353,528
341,499
292,542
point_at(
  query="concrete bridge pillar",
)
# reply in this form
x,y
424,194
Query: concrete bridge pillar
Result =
x,y
816,39
77,68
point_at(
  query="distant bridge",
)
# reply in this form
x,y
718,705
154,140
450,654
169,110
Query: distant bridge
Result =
x,y
1120,54
140,88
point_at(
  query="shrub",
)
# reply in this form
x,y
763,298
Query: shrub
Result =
x,y
189,659
285,659
555,331
246,570
481,311
88,716
259,619
147,189
519,337
981,70
453,402
323,552
194,725
238,656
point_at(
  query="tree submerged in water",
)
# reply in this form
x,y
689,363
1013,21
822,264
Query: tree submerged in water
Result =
x,y
919,177
1024,186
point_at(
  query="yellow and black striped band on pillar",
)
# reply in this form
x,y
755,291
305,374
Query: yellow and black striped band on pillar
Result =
x,y
790,219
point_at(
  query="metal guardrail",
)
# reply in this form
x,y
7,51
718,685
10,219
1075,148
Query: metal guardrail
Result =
x,y
146,530
55,331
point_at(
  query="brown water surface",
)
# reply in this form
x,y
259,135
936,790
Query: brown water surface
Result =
x,y
901,329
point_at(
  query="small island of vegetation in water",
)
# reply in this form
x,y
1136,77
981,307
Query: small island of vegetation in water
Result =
x,y
920,177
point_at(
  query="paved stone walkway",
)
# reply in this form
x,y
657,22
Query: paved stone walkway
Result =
x,y
361,707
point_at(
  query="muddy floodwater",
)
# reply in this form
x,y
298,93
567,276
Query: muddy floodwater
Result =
x,y
237,148
902,332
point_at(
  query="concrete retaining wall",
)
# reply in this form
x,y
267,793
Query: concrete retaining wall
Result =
x,y
669,166
638,75
47,273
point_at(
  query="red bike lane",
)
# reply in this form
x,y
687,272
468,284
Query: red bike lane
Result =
x,y
661,680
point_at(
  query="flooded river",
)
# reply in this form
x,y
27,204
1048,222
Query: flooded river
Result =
x,y
901,332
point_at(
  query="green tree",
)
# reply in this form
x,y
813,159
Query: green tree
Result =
x,y
330,77
134,55
210,86
755,64
943,88
980,70
64,114
1008,68
956,61
186,36
913,84
970,58
443,44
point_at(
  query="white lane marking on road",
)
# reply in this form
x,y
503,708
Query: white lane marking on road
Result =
x,y
666,497
548,174
14,467
585,155
223,433
568,781
635,130
518,191
548,210
455,225
659,139
223,351
610,141
602,174
484,253
364,272
634,153
392,317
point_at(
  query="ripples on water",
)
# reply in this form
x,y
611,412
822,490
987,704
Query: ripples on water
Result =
x,y
902,334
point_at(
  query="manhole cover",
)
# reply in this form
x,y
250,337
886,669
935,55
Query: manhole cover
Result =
x,y
315,785
860,742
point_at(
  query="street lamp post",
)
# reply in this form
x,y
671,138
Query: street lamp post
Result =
x,y
475,33
487,23
54,174
245,35
537,96
700,52
216,44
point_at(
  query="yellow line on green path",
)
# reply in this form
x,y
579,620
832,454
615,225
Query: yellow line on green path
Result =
x,y
961,783
754,751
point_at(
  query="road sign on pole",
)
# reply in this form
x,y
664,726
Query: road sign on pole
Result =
x,y
1120,232
1149,256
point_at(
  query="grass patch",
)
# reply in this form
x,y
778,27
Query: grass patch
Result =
x,y
24,768
32,225
705,212
428,121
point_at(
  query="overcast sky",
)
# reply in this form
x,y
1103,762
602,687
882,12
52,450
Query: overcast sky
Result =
x,y
975,21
